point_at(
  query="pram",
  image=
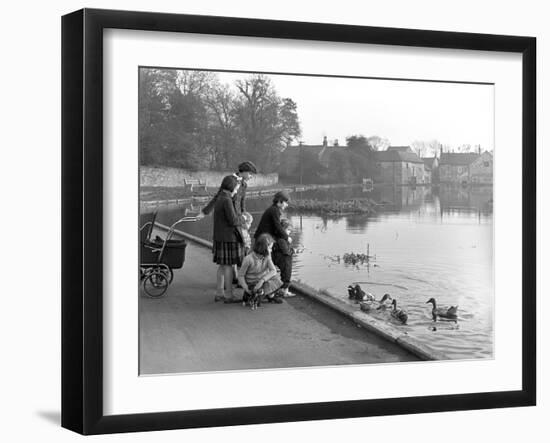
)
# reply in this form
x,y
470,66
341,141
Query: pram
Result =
x,y
158,257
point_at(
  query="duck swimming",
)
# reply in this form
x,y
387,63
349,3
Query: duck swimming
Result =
x,y
399,314
444,312
376,305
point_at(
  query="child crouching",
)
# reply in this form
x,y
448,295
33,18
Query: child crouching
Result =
x,y
258,273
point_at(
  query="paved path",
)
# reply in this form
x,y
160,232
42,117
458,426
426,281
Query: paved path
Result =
x,y
185,331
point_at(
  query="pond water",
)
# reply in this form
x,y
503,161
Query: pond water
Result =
x,y
424,243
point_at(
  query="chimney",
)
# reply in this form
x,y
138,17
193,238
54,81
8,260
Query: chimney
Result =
x,y
479,149
325,143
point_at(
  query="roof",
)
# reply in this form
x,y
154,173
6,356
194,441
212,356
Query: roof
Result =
x,y
397,156
400,148
322,152
458,158
293,151
325,155
428,161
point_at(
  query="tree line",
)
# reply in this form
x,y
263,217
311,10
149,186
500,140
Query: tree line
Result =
x,y
347,164
192,120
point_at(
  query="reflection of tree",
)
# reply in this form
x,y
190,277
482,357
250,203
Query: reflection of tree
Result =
x,y
357,223
331,194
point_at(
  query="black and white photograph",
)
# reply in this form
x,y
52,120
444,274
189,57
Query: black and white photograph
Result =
x,y
297,221
275,221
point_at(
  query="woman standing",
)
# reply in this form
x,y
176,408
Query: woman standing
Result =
x,y
246,171
227,247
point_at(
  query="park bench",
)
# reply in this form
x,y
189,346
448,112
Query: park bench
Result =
x,y
191,183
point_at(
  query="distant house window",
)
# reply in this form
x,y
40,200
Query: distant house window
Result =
x,y
486,164
407,166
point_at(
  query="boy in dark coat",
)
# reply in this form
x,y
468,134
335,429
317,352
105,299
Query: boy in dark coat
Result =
x,y
270,223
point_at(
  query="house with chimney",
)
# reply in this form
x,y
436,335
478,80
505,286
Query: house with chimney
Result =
x,y
296,160
399,165
481,169
457,167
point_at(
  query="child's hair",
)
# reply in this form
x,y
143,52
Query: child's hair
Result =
x,y
247,218
281,196
229,183
285,224
261,245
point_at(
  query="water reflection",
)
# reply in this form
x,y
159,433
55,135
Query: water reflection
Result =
x,y
425,242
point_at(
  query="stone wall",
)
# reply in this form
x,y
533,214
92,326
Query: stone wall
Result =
x,y
172,177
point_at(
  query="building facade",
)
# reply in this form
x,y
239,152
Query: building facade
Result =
x,y
456,167
482,169
399,165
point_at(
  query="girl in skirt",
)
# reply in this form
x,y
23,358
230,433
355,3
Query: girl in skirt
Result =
x,y
227,249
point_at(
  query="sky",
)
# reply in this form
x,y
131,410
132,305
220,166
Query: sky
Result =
x,y
401,111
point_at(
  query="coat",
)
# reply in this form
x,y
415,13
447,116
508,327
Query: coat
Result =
x,y
226,219
270,223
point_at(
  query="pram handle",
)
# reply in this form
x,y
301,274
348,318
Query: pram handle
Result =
x,y
169,234
173,228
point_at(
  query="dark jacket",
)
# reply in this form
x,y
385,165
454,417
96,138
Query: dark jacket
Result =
x,y
271,223
225,218
238,200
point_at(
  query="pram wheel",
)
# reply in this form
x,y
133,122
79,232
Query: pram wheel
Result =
x,y
168,273
156,284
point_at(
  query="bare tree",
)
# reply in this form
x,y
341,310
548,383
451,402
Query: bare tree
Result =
x,y
426,148
378,143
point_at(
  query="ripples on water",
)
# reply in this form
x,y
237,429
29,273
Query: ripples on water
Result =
x,y
425,245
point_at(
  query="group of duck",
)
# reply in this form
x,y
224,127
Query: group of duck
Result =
x,y
369,303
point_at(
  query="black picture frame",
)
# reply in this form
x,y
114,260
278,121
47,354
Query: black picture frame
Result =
x,y
82,220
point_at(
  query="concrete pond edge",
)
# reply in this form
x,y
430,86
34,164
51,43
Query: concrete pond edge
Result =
x,y
382,329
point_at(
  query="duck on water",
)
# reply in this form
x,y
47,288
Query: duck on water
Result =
x,y
376,305
399,314
443,312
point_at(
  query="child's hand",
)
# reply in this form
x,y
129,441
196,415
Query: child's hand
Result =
x,y
258,285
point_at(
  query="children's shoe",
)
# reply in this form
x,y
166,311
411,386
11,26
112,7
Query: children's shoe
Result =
x,y
274,299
